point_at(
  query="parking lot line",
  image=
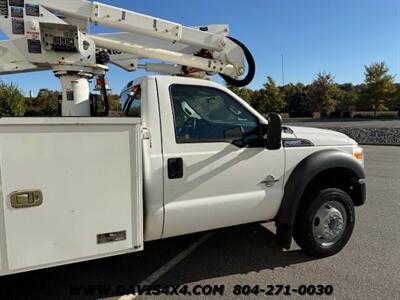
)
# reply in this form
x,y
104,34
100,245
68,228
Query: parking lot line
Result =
x,y
154,277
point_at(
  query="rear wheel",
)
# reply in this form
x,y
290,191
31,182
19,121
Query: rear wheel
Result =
x,y
324,226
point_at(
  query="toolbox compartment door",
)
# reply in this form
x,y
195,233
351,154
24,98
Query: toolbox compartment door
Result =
x,y
71,190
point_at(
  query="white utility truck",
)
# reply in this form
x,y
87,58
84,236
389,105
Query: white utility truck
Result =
x,y
188,155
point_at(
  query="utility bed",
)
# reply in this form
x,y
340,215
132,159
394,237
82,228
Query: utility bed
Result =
x,y
71,189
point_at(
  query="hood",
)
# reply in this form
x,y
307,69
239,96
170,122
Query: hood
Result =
x,y
320,137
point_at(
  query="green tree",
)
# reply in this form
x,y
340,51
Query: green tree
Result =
x,y
396,102
113,101
48,102
11,100
348,98
296,100
379,90
45,104
245,93
233,88
270,98
322,94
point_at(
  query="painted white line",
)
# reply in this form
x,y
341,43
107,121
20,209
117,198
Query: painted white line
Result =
x,y
128,297
153,278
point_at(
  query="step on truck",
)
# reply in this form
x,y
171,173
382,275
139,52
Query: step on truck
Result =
x,y
183,155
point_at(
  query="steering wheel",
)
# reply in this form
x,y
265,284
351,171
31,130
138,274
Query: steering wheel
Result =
x,y
190,123
188,126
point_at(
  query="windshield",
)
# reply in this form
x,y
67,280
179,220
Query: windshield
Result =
x,y
130,101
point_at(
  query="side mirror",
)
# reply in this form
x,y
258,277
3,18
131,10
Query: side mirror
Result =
x,y
274,132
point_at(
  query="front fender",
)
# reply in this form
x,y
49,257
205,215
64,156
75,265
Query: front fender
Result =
x,y
298,181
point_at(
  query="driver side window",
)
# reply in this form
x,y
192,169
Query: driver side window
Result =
x,y
204,114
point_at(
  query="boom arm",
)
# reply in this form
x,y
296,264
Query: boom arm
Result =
x,y
129,21
54,34
11,61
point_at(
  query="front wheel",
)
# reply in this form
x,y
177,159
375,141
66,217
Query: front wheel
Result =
x,y
324,226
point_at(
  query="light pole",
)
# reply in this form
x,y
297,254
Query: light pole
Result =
x,y
283,71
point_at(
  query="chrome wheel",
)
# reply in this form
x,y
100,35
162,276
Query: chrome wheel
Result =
x,y
329,223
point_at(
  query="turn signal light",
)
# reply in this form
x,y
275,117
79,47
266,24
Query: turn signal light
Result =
x,y
358,153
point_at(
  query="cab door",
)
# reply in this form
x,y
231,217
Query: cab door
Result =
x,y
217,173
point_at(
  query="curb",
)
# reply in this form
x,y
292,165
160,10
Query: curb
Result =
x,y
376,144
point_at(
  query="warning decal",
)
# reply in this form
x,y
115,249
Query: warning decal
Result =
x,y
18,27
32,10
20,3
4,7
34,46
17,12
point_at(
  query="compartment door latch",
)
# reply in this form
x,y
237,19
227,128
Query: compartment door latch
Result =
x,y
27,198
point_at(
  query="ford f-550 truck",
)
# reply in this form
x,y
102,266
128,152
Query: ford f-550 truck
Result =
x,y
187,156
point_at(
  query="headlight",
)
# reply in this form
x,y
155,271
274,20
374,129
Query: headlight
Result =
x,y
358,153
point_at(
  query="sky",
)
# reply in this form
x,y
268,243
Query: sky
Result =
x,y
336,36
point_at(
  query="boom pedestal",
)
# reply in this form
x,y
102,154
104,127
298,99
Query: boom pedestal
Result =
x,y
75,94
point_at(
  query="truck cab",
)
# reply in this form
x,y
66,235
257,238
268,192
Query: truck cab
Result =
x,y
188,155
215,168
202,138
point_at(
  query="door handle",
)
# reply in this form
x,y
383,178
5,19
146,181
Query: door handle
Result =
x,y
269,181
27,198
175,168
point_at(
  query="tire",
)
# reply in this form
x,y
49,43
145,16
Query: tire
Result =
x,y
324,226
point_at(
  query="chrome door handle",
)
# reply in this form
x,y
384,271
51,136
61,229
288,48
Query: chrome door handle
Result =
x,y
269,181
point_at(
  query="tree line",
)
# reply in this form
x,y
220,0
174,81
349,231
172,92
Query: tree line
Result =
x,y
46,103
378,92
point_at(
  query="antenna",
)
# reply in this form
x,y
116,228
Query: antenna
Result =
x,y
283,71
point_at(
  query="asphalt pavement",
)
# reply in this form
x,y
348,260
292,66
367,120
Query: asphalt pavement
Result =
x,y
368,268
